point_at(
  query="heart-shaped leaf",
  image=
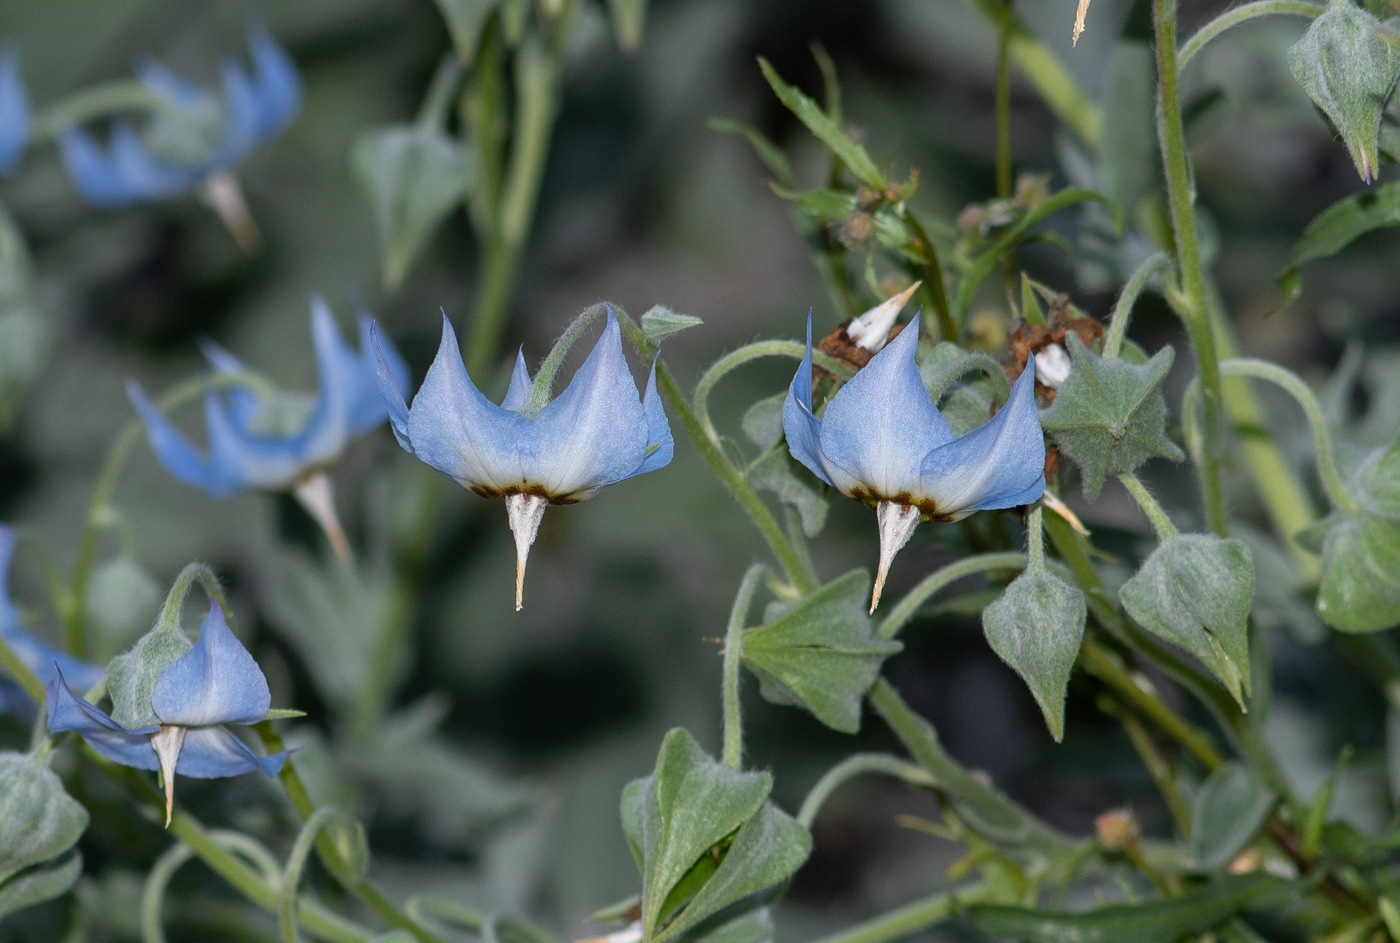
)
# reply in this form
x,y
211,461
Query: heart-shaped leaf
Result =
x,y
38,820
1360,590
1035,626
40,884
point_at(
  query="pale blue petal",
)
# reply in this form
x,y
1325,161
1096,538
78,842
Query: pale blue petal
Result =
x,y
390,390
276,83
175,90
69,712
519,390
243,402
145,177
94,170
215,682
461,433
38,656
882,423
1000,464
241,115
595,432
14,112
216,752
801,427
175,452
9,612
365,407
658,429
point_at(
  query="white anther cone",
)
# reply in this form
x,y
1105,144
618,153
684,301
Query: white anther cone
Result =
x,y
314,493
222,194
871,330
897,523
167,742
525,511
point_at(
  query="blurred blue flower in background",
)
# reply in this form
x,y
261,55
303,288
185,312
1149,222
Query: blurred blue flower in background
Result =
x,y
38,656
214,684
194,139
285,441
883,442
14,112
595,434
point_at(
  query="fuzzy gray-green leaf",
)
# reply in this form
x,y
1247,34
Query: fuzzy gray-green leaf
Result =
x,y
1225,814
1360,589
1035,626
776,471
132,677
1195,591
1349,72
823,654
39,884
660,322
38,820
1109,416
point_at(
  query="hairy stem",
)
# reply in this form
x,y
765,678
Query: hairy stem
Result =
x,y
1241,14
724,365
1123,310
1162,525
733,660
860,764
907,607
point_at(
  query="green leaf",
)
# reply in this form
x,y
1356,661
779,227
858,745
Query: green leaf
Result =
x,y
684,824
1195,592
763,421
283,713
465,20
1360,589
771,154
1158,921
849,152
660,322
1127,153
825,206
38,820
1349,72
40,884
132,677
823,654
1338,226
776,471
1225,814
628,16
1109,416
121,598
1035,626
414,176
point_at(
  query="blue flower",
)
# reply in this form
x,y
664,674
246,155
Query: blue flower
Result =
x,y
38,656
883,442
595,434
214,684
14,112
285,442
195,135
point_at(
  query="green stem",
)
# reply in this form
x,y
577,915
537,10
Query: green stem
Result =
x,y
1123,310
1157,766
1161,524
1322,439
21,672
1003,102
911,918
96,102
1192,305
176,857
1035,540
745,354
437,104
296,863
733,660
934,283
905,610
988,809
1240,15
859,764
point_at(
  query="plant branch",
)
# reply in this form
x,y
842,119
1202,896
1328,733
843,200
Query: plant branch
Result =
x,y
860,764
1242,14
733,659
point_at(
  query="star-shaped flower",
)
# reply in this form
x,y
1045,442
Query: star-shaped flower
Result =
x,y
595,434
883,442
214,684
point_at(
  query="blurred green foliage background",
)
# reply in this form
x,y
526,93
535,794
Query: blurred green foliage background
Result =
x,y
496,780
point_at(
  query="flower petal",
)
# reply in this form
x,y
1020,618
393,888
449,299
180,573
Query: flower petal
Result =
x,y
390,389
800,425
14,112
1000,464
38,656
146,177
366,408
215,682
882,423
69,712
519,390
94,170
276,83
176,453
595,433
241,116
461,433
658,429
242,400
215,752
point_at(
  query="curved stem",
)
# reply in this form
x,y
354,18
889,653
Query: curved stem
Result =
x,y
934,283
1191,303
544,380
296,863
743,355
1162,525
967,363
90,103
905,609
1240,15
733,657
859,764
1322,439
1154,264
911,918
176,856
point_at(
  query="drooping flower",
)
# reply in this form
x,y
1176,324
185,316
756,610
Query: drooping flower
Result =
x,y
194,138
14,112
286,442
37,655
883,442
214,684
595,434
